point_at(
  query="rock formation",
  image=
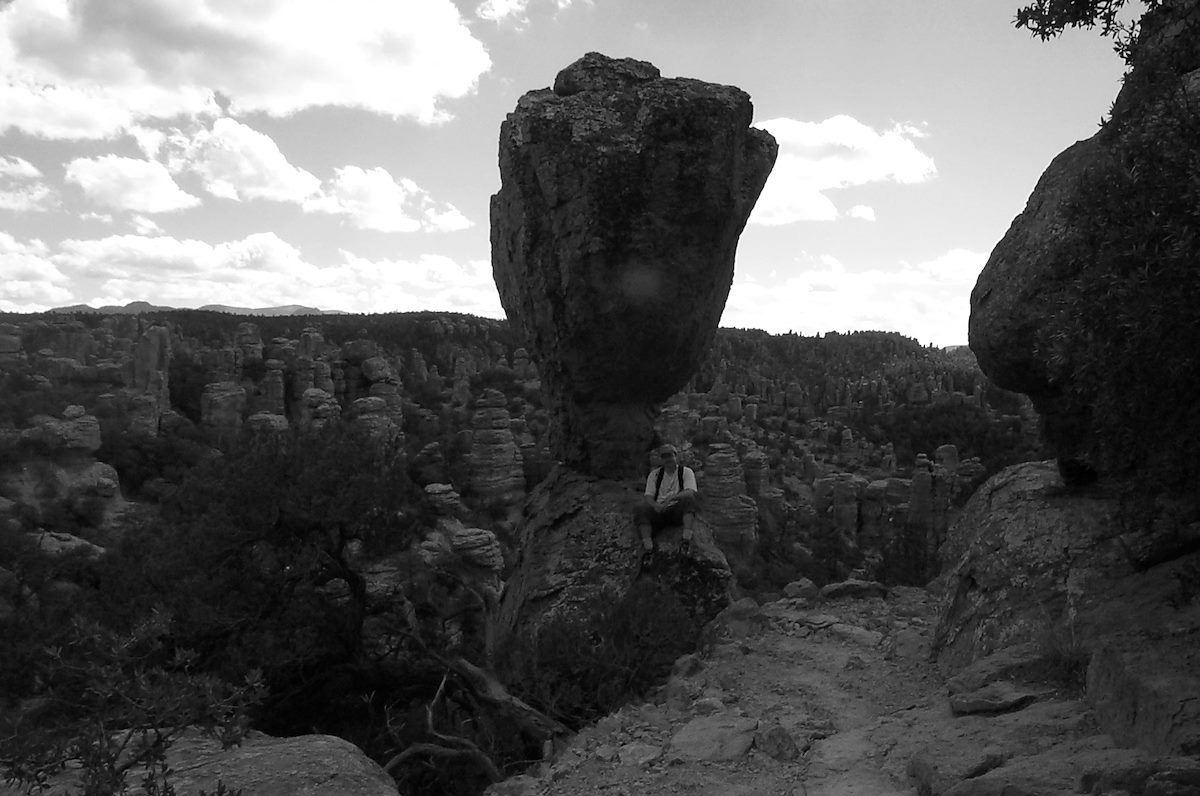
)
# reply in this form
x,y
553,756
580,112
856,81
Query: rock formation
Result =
x,y
496,475
1033,564
1034,273
622,197
613,236
1093,563
732,514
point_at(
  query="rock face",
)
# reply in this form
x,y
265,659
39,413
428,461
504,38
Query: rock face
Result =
x,y
622,197
578,547
732,513
1096,574
497,475
1033,564
262,765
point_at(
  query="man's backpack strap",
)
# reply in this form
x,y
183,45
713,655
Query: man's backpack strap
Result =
x,y
658,481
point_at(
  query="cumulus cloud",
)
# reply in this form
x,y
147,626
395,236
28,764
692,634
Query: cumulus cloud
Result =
x,y
258,270
234,161
22,187
512,12
91,68
928,300
31,280
143,186
374,199
816,157
501,10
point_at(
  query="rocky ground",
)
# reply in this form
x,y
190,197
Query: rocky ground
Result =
x,y
838,696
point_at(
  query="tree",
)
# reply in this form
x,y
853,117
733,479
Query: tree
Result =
x,y
1049,18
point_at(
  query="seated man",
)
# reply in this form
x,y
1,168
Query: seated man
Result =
x,y
669,499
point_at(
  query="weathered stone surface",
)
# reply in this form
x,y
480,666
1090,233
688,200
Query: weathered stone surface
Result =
x,y
995,697
732,514
222,405
305,765
318,409
267,422
446,501
497,474
76,432
372,418
613,236
1035,564
853,589
723,736
777,742
578,548
56,544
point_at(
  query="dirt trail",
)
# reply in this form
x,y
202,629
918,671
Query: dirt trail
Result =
x,y
810,687
839,699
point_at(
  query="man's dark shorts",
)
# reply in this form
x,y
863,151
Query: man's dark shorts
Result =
x,y
662,519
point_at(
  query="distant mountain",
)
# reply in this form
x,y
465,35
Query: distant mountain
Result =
x,y
138,307
132,308
287,309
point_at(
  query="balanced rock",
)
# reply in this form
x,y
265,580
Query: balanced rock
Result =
x,y
622,198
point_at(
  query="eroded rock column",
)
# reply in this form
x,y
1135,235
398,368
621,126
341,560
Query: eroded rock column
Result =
x,y
622,197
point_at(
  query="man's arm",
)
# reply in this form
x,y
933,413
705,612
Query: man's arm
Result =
x,y
689,481
648,495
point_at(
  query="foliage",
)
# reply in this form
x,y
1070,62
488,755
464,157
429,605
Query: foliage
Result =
x,y
250,577
165,458
111,701
1123,343
1047,19
578,668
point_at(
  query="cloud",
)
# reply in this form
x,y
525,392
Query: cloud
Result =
x,y
512,12
258,270
30,279
862,212
815,157
237,162
91,68
22,187
501,10
145,226
143,186
929,300
374,199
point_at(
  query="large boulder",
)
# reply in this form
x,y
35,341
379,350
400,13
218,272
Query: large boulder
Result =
x,y
622,197
305,765
1033,563
1068,297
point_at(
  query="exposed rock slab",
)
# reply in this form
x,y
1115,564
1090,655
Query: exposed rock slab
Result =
x,y
1064,576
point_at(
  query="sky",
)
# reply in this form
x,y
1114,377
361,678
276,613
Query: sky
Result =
x,y
341,155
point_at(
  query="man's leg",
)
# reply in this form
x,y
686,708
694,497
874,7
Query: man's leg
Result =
x,y
687,506
643,517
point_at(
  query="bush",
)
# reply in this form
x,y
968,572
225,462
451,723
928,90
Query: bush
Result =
x,y
1122,346
579,668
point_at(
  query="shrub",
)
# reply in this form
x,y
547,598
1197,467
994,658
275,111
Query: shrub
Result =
x,y
1122,345
578,668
